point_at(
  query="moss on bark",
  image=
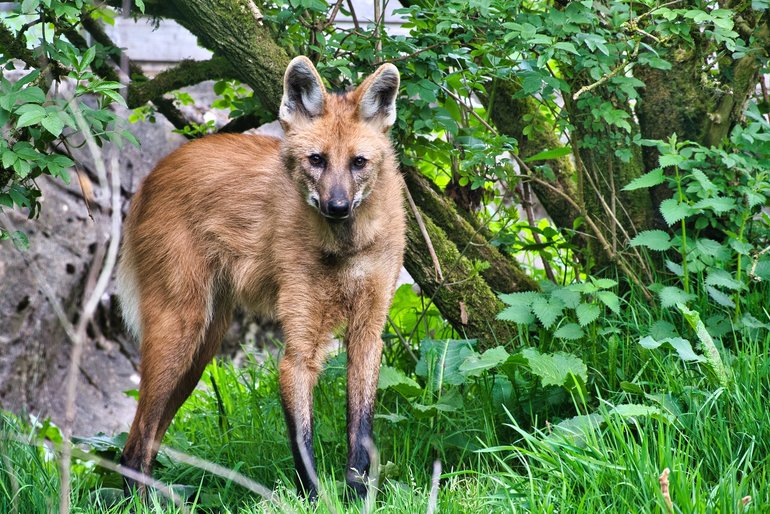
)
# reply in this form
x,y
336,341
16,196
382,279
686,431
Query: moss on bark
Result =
x,y
230,29
503,274
186,73
462,292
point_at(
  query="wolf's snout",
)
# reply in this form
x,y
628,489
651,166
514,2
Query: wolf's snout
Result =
x,y
338,208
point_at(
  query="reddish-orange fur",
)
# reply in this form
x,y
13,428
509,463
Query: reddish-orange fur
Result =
x,y
224,221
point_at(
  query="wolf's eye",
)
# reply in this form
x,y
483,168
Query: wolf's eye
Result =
x,y
359,162
316,160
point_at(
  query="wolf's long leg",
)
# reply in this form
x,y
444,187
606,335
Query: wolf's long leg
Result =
x,y
364,344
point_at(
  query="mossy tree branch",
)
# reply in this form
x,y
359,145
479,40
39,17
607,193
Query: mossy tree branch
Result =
x,y
186,73
463,295
230,29
503,274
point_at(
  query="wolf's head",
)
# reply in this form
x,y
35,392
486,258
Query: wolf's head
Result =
x,y
336,145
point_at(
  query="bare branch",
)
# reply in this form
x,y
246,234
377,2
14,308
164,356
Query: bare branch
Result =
x,y
424,232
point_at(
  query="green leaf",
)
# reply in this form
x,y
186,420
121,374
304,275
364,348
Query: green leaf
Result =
x,y
712,354
570,297
140,5
53,124
587,312
20,240
604,283
475,364
555,368
718,204
722,278
519,299
27,6
9,157
675,268
442,359
609,299
650,179
32,115
520,315
662,329
451,401
719,297
547,311
670,296
570,332
656,240
31,94
88,58
673,211
682,347
546,155
395,379
667,160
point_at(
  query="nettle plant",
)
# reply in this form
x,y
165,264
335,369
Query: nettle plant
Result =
x,y
43,109
451,373
568,311
718,233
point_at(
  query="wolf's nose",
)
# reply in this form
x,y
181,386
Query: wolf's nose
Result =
x,y
338,208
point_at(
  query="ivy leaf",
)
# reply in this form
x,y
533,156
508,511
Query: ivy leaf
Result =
x,y
656,240
570,332
673,211
670,296
587,312
547,311
475,364
650,179
609,299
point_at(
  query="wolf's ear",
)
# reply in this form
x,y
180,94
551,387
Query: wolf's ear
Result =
x,y
377,97
303,92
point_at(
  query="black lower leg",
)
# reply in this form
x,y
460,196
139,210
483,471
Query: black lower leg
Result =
x,y
301,443
360,446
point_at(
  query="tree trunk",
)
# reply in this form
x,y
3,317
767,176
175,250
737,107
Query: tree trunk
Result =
x,y
509,115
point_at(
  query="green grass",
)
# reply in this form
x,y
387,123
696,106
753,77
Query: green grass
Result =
x,y
500,452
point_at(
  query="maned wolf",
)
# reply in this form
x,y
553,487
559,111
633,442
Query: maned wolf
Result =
x,y
308,230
